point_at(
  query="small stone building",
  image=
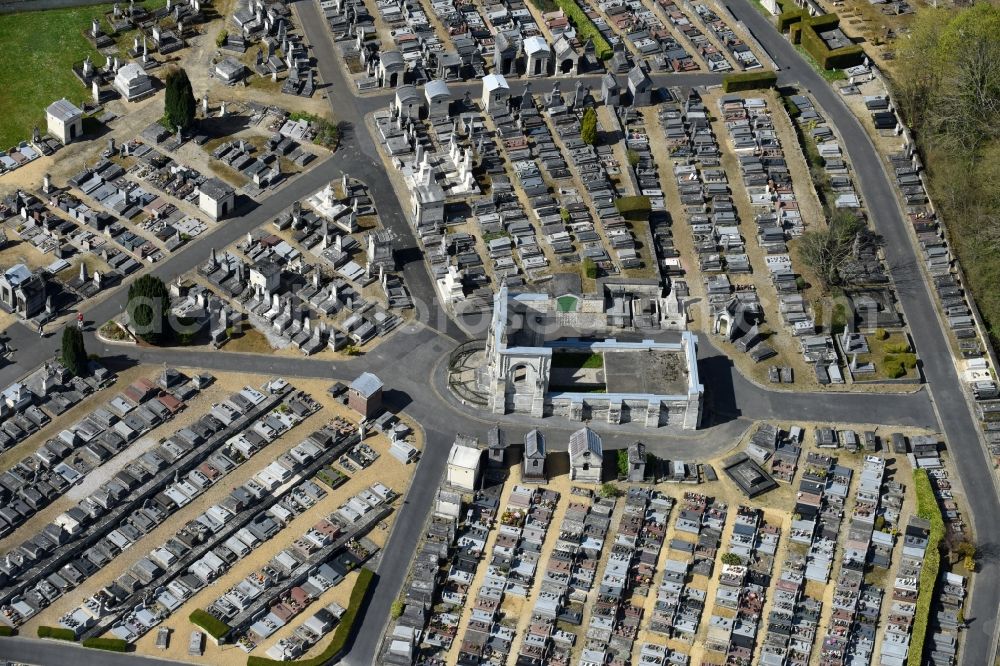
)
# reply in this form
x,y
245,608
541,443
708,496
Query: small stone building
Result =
x,y
496,93
365,395
586,456
636,462
216,198
65,120
132,82
463,463
533,465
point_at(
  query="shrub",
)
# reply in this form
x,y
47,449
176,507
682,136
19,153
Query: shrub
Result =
x,y
7,631
634,209
397,608
732,559
897,348
790,17
588,126
221,38
340,636
894,369
633,158
622,462
109,644
589,268
57,633
610,490
212,625
881,334
749,81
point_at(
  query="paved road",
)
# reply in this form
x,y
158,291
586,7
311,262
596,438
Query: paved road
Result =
x,y
949,398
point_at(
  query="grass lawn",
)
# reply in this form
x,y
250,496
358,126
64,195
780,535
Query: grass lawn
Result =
x,y
39,50
577,360
830,75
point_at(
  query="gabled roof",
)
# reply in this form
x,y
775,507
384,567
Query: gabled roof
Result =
x,y
585,441
534,444
536,44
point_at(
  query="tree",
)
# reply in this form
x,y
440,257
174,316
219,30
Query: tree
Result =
x,y
732,559
633,158
148,306
74,355
588,126
828,251
179,104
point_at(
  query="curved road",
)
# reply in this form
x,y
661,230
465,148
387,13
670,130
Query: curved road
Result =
x,y
411,359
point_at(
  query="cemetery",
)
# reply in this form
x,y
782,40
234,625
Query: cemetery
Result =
x,y
692,570
172,448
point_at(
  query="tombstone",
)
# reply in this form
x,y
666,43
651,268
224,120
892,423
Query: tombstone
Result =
x,y
111,144
95,90
135,43
83,273
343,183
36,136
95,28
47,183
115,66
117,10
88,68
180,28
97,279
222,110
204,106
145,52
168,5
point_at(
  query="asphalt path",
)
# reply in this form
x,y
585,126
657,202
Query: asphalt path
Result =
x,y
951,403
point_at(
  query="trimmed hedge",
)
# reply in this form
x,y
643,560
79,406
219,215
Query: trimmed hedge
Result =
x,y
57,633
749,81
634,209
585,28
7,631
340,635
212,625
928,509
789,17
795,33
109,644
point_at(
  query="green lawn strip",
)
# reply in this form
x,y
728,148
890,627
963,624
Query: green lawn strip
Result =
x,y
39,51
109,644
340,635
577,360
927,508
830,75
331,477
212,625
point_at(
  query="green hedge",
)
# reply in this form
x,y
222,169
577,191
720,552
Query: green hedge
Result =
x,y
212,625
789,17
635,209
585,28
7,631
795,33
846,56
340,635
749,81
927,508
109,644
58,633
